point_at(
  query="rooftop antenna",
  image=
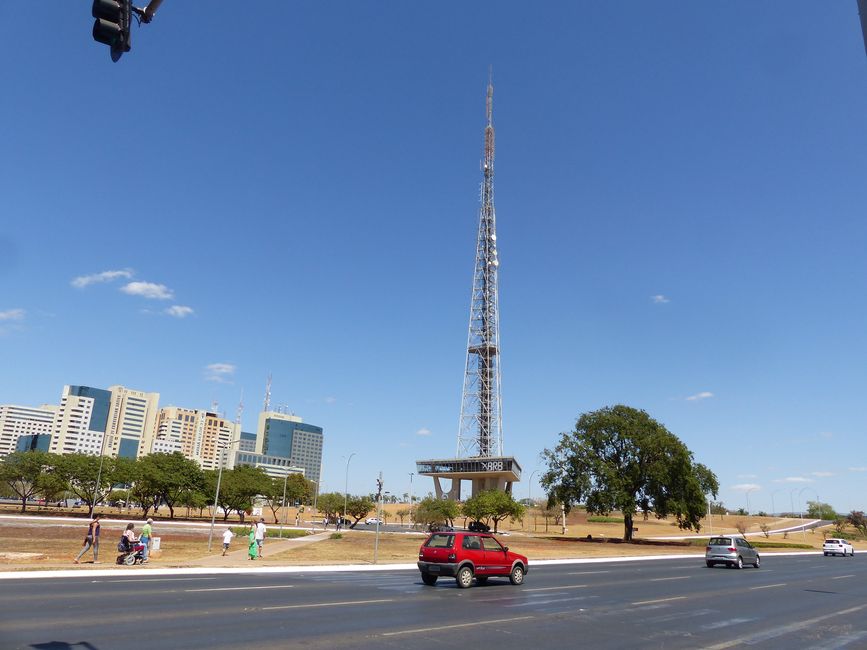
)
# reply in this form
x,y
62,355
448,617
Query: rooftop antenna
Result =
x,y
240,410
268,393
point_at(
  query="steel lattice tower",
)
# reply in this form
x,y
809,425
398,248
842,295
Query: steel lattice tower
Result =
x,y
481,428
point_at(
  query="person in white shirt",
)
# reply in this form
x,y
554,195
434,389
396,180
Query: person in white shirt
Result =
x,y
260,535
227,539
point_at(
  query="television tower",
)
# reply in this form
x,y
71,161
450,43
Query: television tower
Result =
x,y
480,432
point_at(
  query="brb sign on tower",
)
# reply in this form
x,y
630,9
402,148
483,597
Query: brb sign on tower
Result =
x,y
480,456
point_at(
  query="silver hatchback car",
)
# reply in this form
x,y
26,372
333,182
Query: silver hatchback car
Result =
x,y
732,551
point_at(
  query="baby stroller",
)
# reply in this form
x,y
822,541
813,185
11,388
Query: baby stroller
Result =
x,y
129,553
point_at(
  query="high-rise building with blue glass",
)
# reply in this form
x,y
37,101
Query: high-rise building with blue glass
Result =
x,y
288,436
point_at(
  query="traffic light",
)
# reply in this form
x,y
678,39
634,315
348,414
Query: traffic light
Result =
x,y
112,25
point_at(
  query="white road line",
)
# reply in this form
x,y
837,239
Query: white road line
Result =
x,y
671,578
758,637
451,626
780,584
555,588
659,600
335,604
536,603
841,577
585,573
241,588
128,580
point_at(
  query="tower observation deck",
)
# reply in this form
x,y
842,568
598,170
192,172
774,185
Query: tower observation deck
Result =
x,y
480,433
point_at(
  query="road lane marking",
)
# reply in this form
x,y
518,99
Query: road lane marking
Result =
x,y
536,603
658,600
781,630
451,626
732,621
555,588
334,604
671,578
241,588
585,573
127,580
779,584
841,577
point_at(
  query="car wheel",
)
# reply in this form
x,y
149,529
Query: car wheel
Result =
x,y
464,577
758,561
516,577
825,554
710,564
428,579
739,563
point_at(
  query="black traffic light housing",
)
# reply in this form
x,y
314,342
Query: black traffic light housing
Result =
x,y
113,25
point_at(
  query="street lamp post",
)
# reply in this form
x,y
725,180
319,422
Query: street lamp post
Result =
x,y
285,478
529,490
773,507
410,498
748,499
346,485
98,474
217,493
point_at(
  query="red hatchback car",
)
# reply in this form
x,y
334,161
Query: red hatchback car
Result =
x,y
465,556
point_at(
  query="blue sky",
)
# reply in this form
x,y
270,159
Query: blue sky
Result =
x,y
680,192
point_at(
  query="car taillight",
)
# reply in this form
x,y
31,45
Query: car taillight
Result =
x,y
732,549
707,549
452,557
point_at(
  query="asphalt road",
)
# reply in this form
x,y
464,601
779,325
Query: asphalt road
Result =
x,y
804,601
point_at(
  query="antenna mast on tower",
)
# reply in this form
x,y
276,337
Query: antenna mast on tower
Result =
x,y
481,431
268,393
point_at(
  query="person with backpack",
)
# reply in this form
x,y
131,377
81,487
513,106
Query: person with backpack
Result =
x,y
91,540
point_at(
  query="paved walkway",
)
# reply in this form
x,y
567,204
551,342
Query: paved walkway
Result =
x,y
238,555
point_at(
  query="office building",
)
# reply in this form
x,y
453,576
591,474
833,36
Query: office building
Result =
x,y
17,421
287,436
199,435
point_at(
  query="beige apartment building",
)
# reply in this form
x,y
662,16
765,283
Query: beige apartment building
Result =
x,y
197,434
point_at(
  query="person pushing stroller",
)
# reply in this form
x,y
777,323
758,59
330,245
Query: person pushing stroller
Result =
x,y
131,551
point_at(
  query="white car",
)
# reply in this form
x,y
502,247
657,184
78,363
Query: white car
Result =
x,y
838,547
372,521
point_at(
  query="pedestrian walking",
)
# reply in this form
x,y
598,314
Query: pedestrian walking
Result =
x,y
145,538
260,534
227,539
91,540
252,546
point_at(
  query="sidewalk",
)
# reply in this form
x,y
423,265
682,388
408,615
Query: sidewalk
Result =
x,y
239,558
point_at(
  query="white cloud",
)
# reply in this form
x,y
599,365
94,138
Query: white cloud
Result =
x,y
424,431
745,487
148,290
699,396
747,476
106,276
12,314
858,469
330,399
794,479
659,299
822,474
220,372
179,311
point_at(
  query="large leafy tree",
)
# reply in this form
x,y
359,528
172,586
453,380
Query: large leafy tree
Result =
x,y
91,478
168,477
23,471
619,458
330,504
358,507
492,506
297,489
431,510
239,487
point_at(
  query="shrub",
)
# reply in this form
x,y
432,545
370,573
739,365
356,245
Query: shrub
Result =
x,y
765,529
741,527
595,519
336,536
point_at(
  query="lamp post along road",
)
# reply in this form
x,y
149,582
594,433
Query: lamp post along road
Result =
x,y
285,478
217,493
410,499
346,486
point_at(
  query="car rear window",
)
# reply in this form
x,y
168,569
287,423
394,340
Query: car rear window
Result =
x,y
440,540
833,541
720,541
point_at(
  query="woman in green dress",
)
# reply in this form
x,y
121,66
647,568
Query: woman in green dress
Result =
x,y
252,548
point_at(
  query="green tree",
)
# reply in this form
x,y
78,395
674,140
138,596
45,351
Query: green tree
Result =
x,y
330,504
402,513
431,510
91,478
819,510
619,458
23,471
492,506
857,519
358,507
168,477
240,486
297,488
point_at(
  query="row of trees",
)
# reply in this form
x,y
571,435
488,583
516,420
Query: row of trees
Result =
x,y
489,507
152,481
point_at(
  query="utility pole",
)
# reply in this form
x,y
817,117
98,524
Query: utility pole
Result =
x,y
378,515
